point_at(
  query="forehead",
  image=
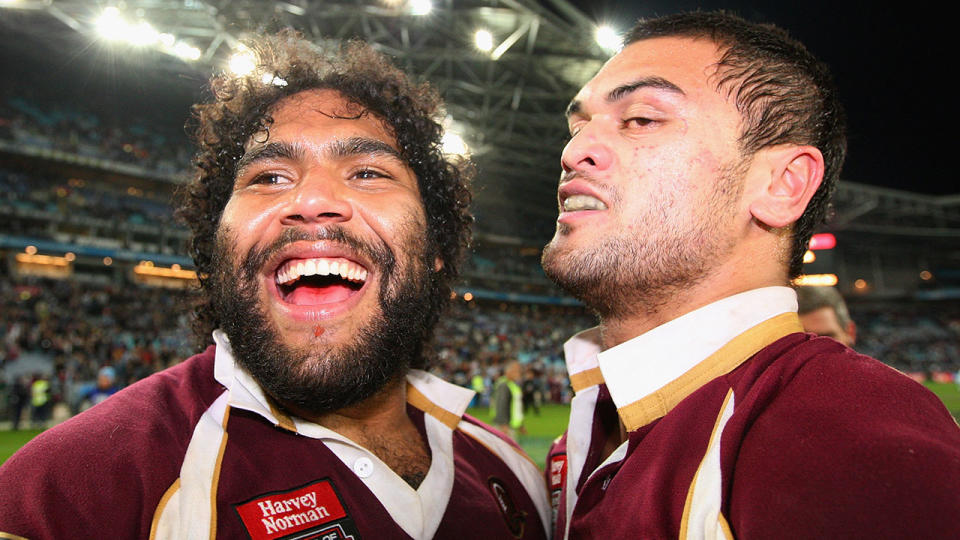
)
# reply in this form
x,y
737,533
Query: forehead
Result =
x,y
322,115
687,63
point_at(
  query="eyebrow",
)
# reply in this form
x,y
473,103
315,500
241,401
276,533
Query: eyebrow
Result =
x,y
338,149
622,91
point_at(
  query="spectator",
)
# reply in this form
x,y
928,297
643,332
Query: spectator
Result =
x,y
823,312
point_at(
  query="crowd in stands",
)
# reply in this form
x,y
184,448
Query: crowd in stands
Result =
x,y
912,337
84,331
84,197
80,328
35,123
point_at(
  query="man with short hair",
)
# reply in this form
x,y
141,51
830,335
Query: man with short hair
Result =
x,y
328,228
823,312
701,158
507,400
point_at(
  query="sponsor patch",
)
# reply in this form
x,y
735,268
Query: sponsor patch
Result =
x,y
558,477
516,519
313,511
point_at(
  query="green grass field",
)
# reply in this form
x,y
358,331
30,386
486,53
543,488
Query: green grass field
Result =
x,y
541,430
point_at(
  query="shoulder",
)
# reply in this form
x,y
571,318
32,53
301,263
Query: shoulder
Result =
x,y
118,454
841,442
817,377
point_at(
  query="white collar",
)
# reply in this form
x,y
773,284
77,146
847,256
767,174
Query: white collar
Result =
x,y
639,367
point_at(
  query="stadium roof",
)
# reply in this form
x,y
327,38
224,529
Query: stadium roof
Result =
x,y
506,103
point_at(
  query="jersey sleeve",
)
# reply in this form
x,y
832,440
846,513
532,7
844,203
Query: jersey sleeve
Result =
x,y
850,449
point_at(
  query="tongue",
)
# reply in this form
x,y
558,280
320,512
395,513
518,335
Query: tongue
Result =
x,y
310,295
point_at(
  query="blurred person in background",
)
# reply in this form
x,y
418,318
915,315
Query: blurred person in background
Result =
x,y
507,400
823,312
18,400
105,387
328,228
41,402
701,158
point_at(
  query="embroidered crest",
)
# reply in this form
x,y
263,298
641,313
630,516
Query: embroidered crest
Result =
x,y
516,519
312,511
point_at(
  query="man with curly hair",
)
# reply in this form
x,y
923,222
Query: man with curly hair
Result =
x,y
328,228
701,158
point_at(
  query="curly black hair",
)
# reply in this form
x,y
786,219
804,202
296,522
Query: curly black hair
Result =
x,y
287,64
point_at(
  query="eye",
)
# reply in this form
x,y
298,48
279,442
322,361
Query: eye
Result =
x,y
368,173
269,179
638,122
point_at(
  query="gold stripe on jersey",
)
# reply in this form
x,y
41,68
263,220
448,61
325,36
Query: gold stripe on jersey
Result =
x,y
422,402
586,379
11,536
726,359
174,487
215,482
283,420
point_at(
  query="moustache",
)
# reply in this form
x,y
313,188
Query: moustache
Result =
x,y
379,254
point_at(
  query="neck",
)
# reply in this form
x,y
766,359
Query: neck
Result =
x,y
379,411
618,328
381,425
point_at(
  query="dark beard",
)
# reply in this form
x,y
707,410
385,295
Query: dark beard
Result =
x,y
322,381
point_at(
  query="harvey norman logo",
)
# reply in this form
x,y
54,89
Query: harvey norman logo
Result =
x,y
278,515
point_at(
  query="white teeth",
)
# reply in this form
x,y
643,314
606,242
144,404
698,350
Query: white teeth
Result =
x,y
294,270
583,202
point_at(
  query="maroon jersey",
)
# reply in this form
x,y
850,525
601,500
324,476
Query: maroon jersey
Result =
x,y
779,434
196,451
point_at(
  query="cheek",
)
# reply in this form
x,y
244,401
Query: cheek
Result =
x,y
249,218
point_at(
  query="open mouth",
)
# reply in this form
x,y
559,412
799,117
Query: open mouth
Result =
x,y
580,202
317,281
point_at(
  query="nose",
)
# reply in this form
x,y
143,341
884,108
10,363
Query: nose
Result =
x,y
586,152
317,199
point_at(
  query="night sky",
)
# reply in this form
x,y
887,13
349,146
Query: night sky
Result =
x,y
892,66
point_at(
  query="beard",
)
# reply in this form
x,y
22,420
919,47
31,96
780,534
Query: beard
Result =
x,y
323,377
643,267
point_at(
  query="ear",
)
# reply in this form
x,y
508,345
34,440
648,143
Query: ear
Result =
x,y
437,264
795,174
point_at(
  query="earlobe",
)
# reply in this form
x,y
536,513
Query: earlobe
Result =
x,y
437,264
795,175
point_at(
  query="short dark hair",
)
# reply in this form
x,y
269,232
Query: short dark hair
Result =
x,y
814,298
240,106
784,95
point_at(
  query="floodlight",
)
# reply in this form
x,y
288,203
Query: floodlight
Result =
x,y
484,40
817,280
111,25
242,63
453,143
608,38
143,34
421,7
